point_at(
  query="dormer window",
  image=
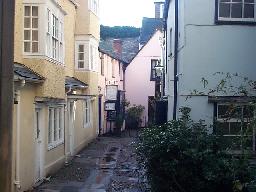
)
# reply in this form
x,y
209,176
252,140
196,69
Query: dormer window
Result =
x,y
237,10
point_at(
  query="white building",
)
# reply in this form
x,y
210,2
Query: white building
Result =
x,y
204,37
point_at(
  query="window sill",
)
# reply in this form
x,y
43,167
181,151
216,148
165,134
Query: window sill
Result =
x,y
40,56
86,70
55,145
230,22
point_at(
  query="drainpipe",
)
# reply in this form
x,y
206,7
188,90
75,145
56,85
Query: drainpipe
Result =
x,y
17,162
66,125
176,59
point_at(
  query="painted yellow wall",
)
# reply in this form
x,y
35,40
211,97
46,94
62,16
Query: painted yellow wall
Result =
x,y
69,31
53,85
18,35
87,22
91,78
27,137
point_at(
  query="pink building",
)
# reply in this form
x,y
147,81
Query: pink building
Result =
x,y
140,75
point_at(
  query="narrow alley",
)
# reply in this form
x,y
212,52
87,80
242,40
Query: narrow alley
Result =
x,y
108,164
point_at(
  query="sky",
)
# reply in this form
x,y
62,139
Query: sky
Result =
x,y
125,12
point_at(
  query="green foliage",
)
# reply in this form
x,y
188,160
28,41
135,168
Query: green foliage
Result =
x,y
118,32
181,156
133,116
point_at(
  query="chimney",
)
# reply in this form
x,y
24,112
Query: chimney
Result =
x,y
159,9
117,47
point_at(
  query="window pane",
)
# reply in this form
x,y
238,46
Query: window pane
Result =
x,y
248,112
55,124
235,128
249,11
236,11
249,1
80,64
35,23
222,128
26,46
81,56
60,124
81,48
223,111
35,35
34,47
236,112
27,11
34,11
27,22
224,10
49,126
27,35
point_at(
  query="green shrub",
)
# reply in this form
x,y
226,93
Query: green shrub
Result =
x,y
133,116
181,156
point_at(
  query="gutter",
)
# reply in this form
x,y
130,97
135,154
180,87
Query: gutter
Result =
x,y
176,60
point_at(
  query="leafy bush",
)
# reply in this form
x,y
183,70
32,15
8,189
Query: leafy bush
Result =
x,y
181,156
133,116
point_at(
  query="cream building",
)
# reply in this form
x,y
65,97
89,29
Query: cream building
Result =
x,y
56,92
112,75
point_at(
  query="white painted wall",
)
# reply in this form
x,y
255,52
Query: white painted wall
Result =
x,y
138,84
206,48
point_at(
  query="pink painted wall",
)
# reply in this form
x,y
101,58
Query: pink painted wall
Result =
x,y
138,85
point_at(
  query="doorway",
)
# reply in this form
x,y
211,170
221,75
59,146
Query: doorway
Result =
x,y
39,170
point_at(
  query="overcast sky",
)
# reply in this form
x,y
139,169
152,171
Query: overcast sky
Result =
x,y
125,12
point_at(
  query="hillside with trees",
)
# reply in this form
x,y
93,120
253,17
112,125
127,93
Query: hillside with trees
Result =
x,y
118,32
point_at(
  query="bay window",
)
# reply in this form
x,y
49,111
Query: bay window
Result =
x,y
43,31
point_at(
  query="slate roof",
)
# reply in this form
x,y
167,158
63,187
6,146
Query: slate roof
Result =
x,y
130,47
71,82
149,27
22,72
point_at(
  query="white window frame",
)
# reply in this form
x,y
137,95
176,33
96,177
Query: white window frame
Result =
x,y
77,52
93,55
87,113
31,29
113,68
102,64
55,37
55,126
94,6
237,19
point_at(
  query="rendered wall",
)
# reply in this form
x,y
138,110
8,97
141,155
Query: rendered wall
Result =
x,y
206,48
138,84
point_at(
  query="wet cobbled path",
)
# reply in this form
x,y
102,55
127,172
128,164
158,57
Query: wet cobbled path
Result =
x,y
108,164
